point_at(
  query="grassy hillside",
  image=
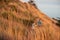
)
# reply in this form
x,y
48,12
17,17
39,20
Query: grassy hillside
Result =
x,y
19,21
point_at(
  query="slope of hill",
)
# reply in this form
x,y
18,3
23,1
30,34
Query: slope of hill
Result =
x,y
22,21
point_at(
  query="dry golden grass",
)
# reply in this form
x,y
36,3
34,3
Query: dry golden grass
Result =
x,y
16,19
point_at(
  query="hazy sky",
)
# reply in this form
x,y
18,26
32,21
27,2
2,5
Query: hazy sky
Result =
x,y
49,7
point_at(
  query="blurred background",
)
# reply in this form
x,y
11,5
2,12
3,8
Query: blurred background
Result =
x,y
49,7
